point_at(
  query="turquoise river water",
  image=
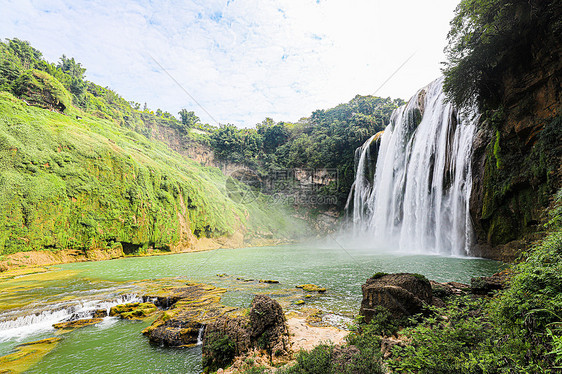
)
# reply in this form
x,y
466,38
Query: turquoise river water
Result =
x,y
29,305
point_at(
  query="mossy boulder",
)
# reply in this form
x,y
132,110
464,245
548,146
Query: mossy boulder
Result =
x,y
220,351
311,288
175,333
402,294
100,313
133,310
191,308
264,328
77,324
488,285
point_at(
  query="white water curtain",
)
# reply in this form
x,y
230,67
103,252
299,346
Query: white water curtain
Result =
x,y
418,200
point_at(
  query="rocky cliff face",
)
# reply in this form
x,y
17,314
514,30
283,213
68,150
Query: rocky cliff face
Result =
x,y
517,160
299,187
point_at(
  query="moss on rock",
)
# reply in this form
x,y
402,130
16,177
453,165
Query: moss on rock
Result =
x,y
26,355
517,183
133,310
77,324
311,288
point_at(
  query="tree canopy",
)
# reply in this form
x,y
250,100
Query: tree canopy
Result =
x,y
325,140
489,36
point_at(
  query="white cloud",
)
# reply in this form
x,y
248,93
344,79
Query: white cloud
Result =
x,y
242,60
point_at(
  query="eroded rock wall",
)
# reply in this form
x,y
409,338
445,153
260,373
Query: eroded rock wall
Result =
x,y
517,154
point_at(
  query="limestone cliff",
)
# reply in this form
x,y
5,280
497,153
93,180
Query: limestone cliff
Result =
x,y
517,152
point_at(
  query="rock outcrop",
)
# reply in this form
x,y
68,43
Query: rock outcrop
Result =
x,y
401,294
488,285
268,327
264,329
190,309
311,288
133,310
71,325
517,153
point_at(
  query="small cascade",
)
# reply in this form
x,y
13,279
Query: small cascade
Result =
x,y
418,196
200,335
37,322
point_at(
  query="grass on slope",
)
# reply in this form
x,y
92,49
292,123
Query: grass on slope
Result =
x,y
87,183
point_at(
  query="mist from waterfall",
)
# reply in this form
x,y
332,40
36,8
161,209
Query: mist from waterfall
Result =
x,y
413,182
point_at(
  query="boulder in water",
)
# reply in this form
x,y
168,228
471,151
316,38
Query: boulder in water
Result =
x,y
311,288
265,329
100,313
77,323
194,307
133,310
402,294
176,333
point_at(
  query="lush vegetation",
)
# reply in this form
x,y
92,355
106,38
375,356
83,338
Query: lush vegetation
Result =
x,y
63,87
517,331
220,352
326,140
86,174
488,37
503,57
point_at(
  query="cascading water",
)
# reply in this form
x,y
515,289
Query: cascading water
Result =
x,y
417,199
34,323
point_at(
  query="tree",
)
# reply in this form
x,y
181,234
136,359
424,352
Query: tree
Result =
x,y
27,55
75,76
274,134
188,120
489,36
228,143
71,67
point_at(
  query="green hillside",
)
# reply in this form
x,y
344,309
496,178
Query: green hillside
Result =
x,y
79,169
87,183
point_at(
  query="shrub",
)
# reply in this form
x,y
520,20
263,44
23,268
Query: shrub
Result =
x,y
317,361
382,323
517,331
219,352
41,89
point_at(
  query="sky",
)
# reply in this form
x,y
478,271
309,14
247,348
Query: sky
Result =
x,y
240,61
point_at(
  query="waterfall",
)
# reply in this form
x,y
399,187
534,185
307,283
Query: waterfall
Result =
x,y
417,199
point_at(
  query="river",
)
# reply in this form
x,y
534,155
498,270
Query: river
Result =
x,y
30,304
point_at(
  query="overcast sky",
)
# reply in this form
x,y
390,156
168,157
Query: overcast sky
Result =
x,y
241,60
